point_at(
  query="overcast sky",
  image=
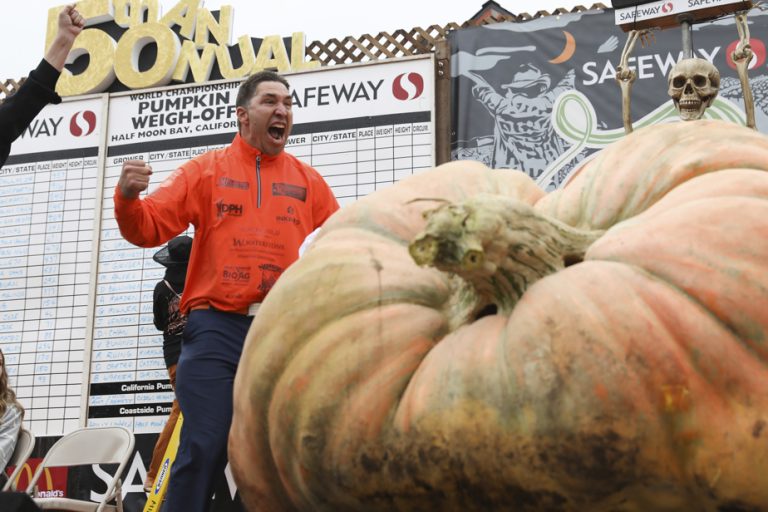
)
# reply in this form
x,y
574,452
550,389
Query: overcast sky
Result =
x,y
22,28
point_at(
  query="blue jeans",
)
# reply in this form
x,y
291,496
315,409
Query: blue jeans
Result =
x,y
213,342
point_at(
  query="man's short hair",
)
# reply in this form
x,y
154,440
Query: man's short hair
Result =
x,y
248,87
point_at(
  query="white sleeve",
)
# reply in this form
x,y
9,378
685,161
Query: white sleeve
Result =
x,y
9,433
308,241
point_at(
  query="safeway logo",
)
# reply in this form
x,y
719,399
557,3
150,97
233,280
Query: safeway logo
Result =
x,y
82,123
407,86
667,7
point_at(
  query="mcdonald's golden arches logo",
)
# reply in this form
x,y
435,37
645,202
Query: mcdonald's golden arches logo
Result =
x,y
53,482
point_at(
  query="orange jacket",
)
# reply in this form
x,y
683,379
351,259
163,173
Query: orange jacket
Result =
x,y
250,211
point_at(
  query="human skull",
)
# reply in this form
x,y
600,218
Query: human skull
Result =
x,y
693,86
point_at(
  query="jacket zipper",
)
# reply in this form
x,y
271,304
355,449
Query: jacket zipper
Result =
x,y
258,181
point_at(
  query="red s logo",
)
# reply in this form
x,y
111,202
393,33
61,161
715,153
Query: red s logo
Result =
x,y
82,123
410,89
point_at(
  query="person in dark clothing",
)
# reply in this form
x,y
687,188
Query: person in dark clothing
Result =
x,y
38,90
168,318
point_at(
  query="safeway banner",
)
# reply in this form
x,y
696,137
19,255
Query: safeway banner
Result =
x,y
664,8
541,96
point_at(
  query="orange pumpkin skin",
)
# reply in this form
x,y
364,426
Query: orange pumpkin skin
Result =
x,y
634,380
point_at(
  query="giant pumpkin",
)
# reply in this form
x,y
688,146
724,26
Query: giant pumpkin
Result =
x,y
462,341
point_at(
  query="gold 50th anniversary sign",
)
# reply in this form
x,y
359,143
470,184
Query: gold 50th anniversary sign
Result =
x,y
177,56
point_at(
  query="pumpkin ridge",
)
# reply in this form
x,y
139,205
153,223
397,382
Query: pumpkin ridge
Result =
x,y
653,195
703,309
314,409
705,259
372,228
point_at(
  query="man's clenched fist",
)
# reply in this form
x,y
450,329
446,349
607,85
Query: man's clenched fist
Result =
x,y
134,178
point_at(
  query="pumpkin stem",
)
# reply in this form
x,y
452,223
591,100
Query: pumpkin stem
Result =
x,y
500,246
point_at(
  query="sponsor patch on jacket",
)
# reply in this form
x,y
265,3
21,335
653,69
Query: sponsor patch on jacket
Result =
x,y
233,274
286,189
269,275
230,183
231,210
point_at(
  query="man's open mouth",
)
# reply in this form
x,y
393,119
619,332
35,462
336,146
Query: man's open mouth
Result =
x,y
276,132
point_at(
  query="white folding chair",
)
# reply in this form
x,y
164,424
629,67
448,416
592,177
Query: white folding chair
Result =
x,y
93,445
24,446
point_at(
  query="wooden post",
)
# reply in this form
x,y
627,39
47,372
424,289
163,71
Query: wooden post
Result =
x,y
442,101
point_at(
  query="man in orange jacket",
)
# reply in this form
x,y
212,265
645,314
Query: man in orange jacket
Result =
x,y
252,204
